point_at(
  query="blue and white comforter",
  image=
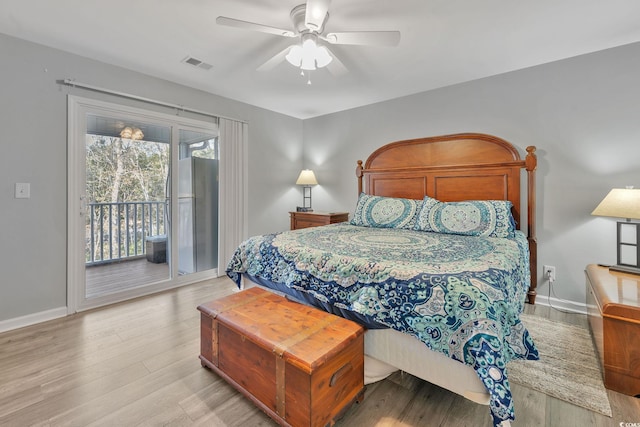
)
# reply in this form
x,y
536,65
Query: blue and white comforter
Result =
x,y
459,295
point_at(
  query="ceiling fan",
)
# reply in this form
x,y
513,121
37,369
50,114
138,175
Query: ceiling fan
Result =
x,y
309,20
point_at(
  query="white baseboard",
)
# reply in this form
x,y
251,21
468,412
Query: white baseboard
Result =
x,y
32,319
572,306
55,313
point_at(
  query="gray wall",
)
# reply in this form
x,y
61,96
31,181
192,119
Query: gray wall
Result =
x,y
34,149
582,114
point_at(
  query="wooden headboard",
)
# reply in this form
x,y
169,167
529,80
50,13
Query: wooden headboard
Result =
x,y
465,166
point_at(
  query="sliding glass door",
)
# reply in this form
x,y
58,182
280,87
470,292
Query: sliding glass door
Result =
x,y
127,168
144,187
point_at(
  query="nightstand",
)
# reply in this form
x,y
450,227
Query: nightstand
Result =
x,y
613,306
314,219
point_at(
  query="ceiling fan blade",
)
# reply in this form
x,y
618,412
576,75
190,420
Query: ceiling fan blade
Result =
x,y
230,22
336,67
274,61
371,38
316,13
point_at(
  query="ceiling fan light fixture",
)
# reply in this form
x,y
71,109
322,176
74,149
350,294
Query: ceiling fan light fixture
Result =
x,y
309,46
126,132
294,57
308,56
133,133
323,58
309,53
308,63
137,134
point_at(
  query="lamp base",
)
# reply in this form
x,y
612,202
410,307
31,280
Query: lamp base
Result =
x,y
303,209
625,269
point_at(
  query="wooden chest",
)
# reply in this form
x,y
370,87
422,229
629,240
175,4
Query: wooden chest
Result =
x,y
300,365
613,305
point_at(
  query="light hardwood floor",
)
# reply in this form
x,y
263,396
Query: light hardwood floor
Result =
x,y
136,364
104,279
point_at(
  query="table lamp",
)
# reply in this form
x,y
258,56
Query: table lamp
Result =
x,y
306,178
624,203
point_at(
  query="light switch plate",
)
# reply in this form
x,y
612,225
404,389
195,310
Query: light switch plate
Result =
x,y
23,190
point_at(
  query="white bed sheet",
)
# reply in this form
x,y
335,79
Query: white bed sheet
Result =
x,y
396,350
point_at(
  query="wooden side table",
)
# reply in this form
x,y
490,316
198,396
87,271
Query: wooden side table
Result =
x,y
314,219
613,305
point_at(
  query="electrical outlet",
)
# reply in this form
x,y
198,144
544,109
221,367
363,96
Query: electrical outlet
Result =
x,y
549,272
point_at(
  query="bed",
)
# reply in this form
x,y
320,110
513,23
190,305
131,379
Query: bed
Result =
x,y
434,262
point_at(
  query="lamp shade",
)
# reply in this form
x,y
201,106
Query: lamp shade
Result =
x,y
307,177
322,57
294,57
309,55
620,203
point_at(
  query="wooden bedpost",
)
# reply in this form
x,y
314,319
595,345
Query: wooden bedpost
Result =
x,y
359,174
531,162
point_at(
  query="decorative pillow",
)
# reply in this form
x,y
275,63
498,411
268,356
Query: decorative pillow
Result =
x,y
490,218
386,212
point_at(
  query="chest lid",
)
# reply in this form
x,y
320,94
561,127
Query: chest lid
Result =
x,y
304,336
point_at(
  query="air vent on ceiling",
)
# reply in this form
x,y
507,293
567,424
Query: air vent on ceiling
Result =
x,y
197,63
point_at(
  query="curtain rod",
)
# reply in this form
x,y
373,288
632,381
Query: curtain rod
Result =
x,y
71,82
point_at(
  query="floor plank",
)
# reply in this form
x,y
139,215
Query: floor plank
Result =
x,y
136,364
104,279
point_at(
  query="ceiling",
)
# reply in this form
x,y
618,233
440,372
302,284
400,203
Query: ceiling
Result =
x,y
443,42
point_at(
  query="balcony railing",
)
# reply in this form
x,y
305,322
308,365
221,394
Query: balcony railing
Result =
x,y
117,231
